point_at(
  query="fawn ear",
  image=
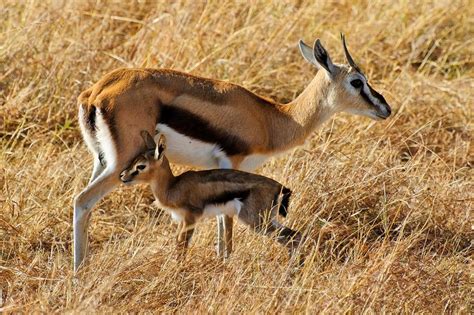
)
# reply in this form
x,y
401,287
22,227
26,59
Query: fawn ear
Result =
x,y
160,143
148,139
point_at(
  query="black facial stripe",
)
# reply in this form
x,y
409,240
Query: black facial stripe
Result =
x,y
377,95
366,97
193,126
227,196
134,173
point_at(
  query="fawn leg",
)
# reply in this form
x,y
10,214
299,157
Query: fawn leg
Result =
x,y
185,232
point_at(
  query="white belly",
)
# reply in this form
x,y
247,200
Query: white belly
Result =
x,y
181,149
229,208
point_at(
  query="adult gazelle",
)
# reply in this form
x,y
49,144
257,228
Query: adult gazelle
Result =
x,y
207,123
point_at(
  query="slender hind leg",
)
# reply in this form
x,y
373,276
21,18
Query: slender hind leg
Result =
x,y
224,236
83,204
228,229
287,237
99,167
185,232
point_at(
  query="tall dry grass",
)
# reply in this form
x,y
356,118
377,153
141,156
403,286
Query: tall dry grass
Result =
x,y
387,206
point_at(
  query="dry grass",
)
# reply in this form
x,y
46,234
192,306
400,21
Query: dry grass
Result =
x,y
387,205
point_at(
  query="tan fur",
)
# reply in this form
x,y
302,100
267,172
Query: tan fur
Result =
x,y
135,95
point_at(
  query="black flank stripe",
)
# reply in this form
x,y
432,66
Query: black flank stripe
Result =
x,y
227,196
193,126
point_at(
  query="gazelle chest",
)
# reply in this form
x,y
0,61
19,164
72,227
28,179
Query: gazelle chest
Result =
x,y
176,213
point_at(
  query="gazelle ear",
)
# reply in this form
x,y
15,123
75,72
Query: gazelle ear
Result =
x,y
307,53
322,57
317,56
148,139
160,142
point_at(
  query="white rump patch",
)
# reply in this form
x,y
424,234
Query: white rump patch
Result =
x,y
230,208
89,139
107,145
181,149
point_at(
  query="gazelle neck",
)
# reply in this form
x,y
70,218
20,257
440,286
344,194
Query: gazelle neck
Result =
x,y
306,113
163,179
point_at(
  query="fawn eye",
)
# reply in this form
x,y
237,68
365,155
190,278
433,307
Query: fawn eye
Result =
x,y
357,83
141,167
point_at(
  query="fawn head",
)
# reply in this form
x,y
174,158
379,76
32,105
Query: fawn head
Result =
x,y
143,167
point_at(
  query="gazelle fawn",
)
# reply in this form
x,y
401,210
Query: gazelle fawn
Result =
x,y
207,123
256,200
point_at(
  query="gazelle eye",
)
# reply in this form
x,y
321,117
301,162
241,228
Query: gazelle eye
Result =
x,y
141,167
357,83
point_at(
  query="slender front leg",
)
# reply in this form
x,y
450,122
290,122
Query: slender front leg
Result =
x,y
220,236
228,229
185,232
83,204
224,223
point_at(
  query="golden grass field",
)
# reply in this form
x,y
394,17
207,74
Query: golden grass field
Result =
x,y
386,206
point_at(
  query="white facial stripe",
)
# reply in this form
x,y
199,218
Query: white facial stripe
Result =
x,y
91,142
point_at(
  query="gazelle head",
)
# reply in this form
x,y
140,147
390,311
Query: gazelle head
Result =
x,y
144,166
348,88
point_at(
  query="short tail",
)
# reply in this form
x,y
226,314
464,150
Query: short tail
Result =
x,y
87,113
285,201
